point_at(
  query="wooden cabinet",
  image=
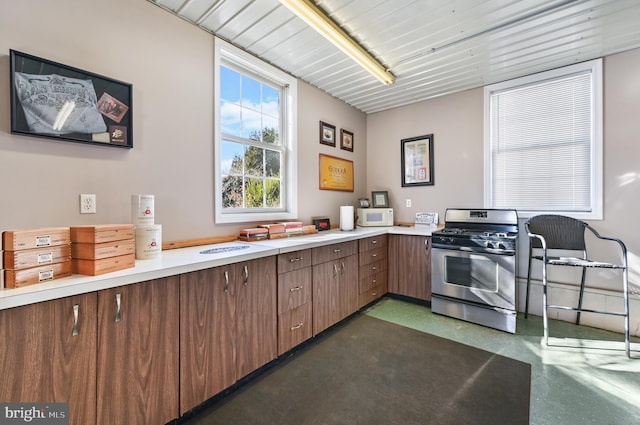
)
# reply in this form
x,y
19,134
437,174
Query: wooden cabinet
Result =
x,y
335,283
137,368
151,351
207,333
227,327
410,266
294,299
256,316
112,366
48,354
372,274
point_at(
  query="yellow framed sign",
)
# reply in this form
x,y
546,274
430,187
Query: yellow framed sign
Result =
x,y
336,173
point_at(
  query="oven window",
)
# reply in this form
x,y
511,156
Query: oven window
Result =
x,y
472,272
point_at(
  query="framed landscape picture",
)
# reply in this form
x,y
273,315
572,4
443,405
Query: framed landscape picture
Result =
x,y
56,101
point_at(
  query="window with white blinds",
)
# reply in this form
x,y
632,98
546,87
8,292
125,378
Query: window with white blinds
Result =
x,y
543,142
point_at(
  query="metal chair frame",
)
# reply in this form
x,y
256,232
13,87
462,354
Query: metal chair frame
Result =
x,y
556,232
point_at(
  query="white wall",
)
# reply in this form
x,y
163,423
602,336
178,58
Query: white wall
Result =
x,y
457,124
170,64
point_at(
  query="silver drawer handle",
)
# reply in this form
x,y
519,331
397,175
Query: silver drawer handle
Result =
x,y
75,330
374,241
246,275
375,281
373,268
374,255
118,307
291,260
297,288
374,293
298,326
226,281
337,250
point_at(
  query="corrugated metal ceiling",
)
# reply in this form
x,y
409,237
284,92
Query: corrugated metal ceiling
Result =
x,y
433,47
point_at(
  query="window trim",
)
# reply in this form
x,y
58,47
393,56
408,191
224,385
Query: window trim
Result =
x,y
597,157
227,53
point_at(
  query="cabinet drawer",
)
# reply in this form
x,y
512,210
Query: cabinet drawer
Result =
x,y
367,244
372,255
371,294
294,289
333,252
294,327
294,260
375,267
368,282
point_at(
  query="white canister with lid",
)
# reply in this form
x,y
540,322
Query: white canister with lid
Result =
x,y
142,210
148,242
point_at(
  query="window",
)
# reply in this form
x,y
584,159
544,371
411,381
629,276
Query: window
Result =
x,y
543,142
255,169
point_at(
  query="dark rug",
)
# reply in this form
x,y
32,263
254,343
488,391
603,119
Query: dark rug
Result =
x,y
368,371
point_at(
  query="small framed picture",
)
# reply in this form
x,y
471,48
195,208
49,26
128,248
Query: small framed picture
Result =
x,y
380,199
346,140
327,134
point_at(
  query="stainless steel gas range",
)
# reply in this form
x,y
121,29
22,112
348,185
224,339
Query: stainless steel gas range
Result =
x,y
473,267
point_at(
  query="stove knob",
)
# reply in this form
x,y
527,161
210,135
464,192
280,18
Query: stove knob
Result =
x,y
501,245
488,244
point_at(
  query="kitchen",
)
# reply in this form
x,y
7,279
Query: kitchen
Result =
x,y
172,152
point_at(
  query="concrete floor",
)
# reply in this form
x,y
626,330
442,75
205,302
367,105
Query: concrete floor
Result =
x,y
574,380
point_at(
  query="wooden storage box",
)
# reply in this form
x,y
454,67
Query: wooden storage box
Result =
x,y
15,240
104,265
102,233
33,275
98,251
26,258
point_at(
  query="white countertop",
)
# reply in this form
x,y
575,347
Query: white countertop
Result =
x,y
184,260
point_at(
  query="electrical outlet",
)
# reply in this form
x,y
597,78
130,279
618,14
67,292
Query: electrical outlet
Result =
x,y
408,203
87,203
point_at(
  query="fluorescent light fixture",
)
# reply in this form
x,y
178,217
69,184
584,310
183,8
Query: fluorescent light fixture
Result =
x,y
319,21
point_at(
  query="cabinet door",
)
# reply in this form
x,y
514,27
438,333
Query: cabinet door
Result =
x,y
47,355
410,266
137,353
335,292
207,334
325,295
348,291
256,314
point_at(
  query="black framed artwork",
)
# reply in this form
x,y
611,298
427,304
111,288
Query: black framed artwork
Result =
x,y
56,101
417,161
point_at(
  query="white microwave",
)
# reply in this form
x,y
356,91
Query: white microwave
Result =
x,y
375,217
